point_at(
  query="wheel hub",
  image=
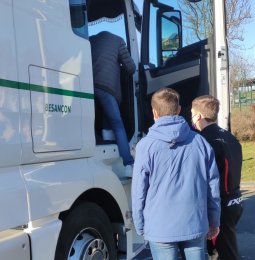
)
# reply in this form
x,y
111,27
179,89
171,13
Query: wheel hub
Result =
x,y
88,245
96,250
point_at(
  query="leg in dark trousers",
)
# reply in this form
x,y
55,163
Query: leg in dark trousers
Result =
x,y
225,246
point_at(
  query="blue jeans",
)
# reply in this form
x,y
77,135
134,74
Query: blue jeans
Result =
x,y
190,250
111,110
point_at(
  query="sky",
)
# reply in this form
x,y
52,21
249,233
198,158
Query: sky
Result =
x,y
249,38
249,35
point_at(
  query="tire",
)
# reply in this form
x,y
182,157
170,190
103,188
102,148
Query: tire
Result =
x,y
86,233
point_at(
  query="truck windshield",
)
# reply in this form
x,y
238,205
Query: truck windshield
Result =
x,y
109,17
114,25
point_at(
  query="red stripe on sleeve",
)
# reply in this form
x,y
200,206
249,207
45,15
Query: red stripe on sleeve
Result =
x,y
214,240
226,175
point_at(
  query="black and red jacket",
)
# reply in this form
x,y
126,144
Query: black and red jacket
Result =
x,y
228,154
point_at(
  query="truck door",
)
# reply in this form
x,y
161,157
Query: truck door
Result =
x,y
169,59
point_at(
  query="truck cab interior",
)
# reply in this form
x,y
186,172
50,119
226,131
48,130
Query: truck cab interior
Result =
x,y
111,16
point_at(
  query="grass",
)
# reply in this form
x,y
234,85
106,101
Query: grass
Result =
x,y
248,168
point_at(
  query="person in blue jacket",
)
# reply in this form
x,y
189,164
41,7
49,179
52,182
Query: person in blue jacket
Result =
x,y
175,186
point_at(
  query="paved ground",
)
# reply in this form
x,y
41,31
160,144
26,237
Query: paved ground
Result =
x,y
245,228
246,225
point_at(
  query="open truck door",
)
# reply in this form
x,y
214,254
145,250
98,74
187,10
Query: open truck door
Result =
x,y
169,59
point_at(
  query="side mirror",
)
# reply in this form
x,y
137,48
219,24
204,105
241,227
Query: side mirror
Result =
x,y
171,33
170,36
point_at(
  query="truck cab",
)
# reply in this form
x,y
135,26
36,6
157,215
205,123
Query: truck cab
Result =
x,y
63,191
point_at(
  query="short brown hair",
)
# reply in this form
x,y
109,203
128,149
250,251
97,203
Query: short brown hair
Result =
x,y
166,102
208,106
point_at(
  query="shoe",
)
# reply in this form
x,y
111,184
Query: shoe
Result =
x,y
129,171
108,135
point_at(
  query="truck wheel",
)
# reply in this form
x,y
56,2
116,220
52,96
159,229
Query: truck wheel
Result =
x,y
86,234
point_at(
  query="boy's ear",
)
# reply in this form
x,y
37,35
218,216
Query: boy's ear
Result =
x,y
179,109
155,114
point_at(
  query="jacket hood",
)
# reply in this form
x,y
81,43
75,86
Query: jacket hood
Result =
x,y
170,129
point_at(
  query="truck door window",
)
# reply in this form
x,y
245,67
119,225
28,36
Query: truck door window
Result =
x,y
197,20
153,54
78,14
192,31
165,45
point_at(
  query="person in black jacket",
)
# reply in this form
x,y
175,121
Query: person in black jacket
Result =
x,y
109,52
228,154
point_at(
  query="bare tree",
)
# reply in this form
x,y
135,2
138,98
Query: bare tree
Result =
x,y
199,20
241,69
238,13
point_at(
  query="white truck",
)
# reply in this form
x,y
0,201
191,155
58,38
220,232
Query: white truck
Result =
x,y
62,190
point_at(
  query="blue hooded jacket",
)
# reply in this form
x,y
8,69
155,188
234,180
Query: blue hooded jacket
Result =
x,y
175,186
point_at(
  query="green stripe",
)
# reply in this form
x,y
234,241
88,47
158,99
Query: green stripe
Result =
x,y
50,90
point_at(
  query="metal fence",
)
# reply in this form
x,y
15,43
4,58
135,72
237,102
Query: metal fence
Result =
x,y
242,97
